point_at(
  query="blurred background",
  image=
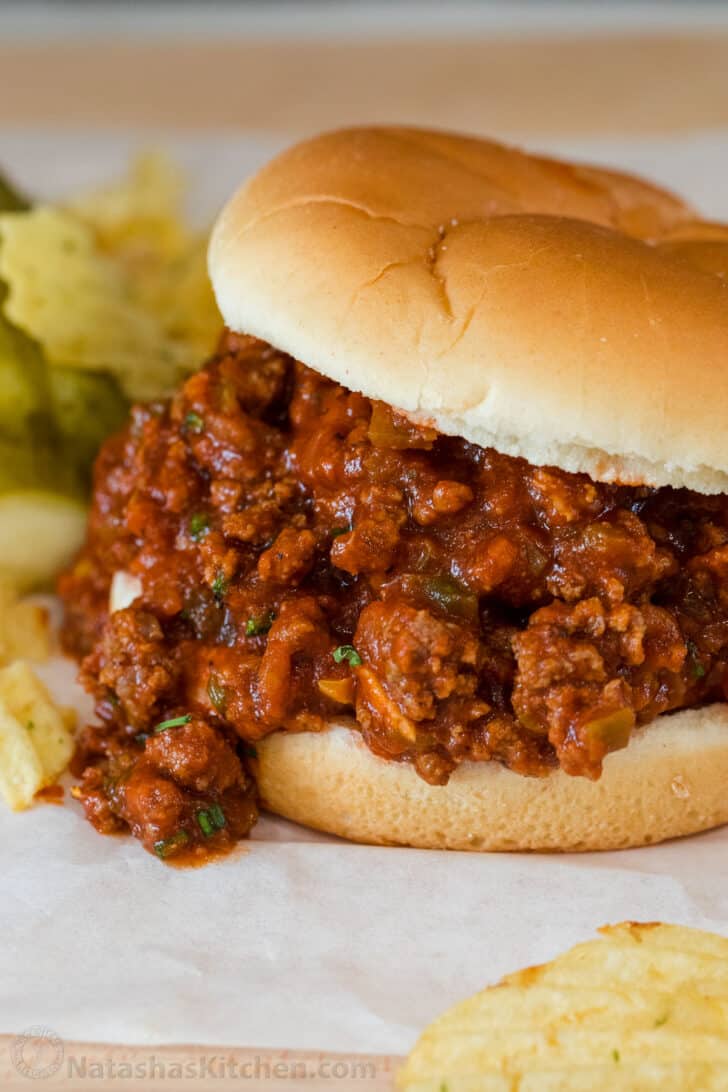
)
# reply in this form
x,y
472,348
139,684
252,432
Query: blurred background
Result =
x,y
515,69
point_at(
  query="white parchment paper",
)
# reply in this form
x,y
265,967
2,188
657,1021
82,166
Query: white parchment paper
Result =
x,y
298,940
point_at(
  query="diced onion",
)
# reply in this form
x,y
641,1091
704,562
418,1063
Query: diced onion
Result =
x,y
341,690
125,588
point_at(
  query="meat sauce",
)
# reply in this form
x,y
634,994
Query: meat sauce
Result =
x,y
307,554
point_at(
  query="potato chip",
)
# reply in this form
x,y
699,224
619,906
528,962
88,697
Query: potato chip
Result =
x,y
36,739
79,305
140,220
140,217
24,631
645,1007
114,283
179,294
21,771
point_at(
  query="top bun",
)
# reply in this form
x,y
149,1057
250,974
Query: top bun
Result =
x,y
572,315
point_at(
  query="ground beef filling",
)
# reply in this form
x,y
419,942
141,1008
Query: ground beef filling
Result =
x,y
306,554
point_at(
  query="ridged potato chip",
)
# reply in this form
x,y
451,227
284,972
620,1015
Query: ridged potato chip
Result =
x,y
36,739
115,283
79,304
24,632
645,1007
140,221
140,217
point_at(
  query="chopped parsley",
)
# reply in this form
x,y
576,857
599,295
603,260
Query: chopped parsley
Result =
x,y
662,1019
616,1055
168,846
336,531
256,627
211,820
220,586
249,750
198,526
174,722
348,653
141,737
217,693
193,422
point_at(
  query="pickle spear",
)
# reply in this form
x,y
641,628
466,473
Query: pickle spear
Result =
x,y
87,407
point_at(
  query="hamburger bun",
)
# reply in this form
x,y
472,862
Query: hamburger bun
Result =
x,y
670,781
574,316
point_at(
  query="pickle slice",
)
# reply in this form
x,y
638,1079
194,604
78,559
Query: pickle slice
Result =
x,y
39,534
24,396
87,407
11,199
610,732
38,466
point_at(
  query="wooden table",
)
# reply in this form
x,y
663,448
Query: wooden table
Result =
x,y
572,85
76,1067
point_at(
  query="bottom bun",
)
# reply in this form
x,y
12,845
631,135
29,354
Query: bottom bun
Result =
x,y
671,780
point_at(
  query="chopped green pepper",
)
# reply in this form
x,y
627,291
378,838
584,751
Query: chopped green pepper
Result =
x,y
198,526
217,693
193,422
256,627
450,595
611,731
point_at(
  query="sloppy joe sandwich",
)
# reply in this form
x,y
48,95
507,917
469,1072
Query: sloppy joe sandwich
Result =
x,y
434,550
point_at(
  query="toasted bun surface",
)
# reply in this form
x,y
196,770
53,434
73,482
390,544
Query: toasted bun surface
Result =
x,y
575,316
670,781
